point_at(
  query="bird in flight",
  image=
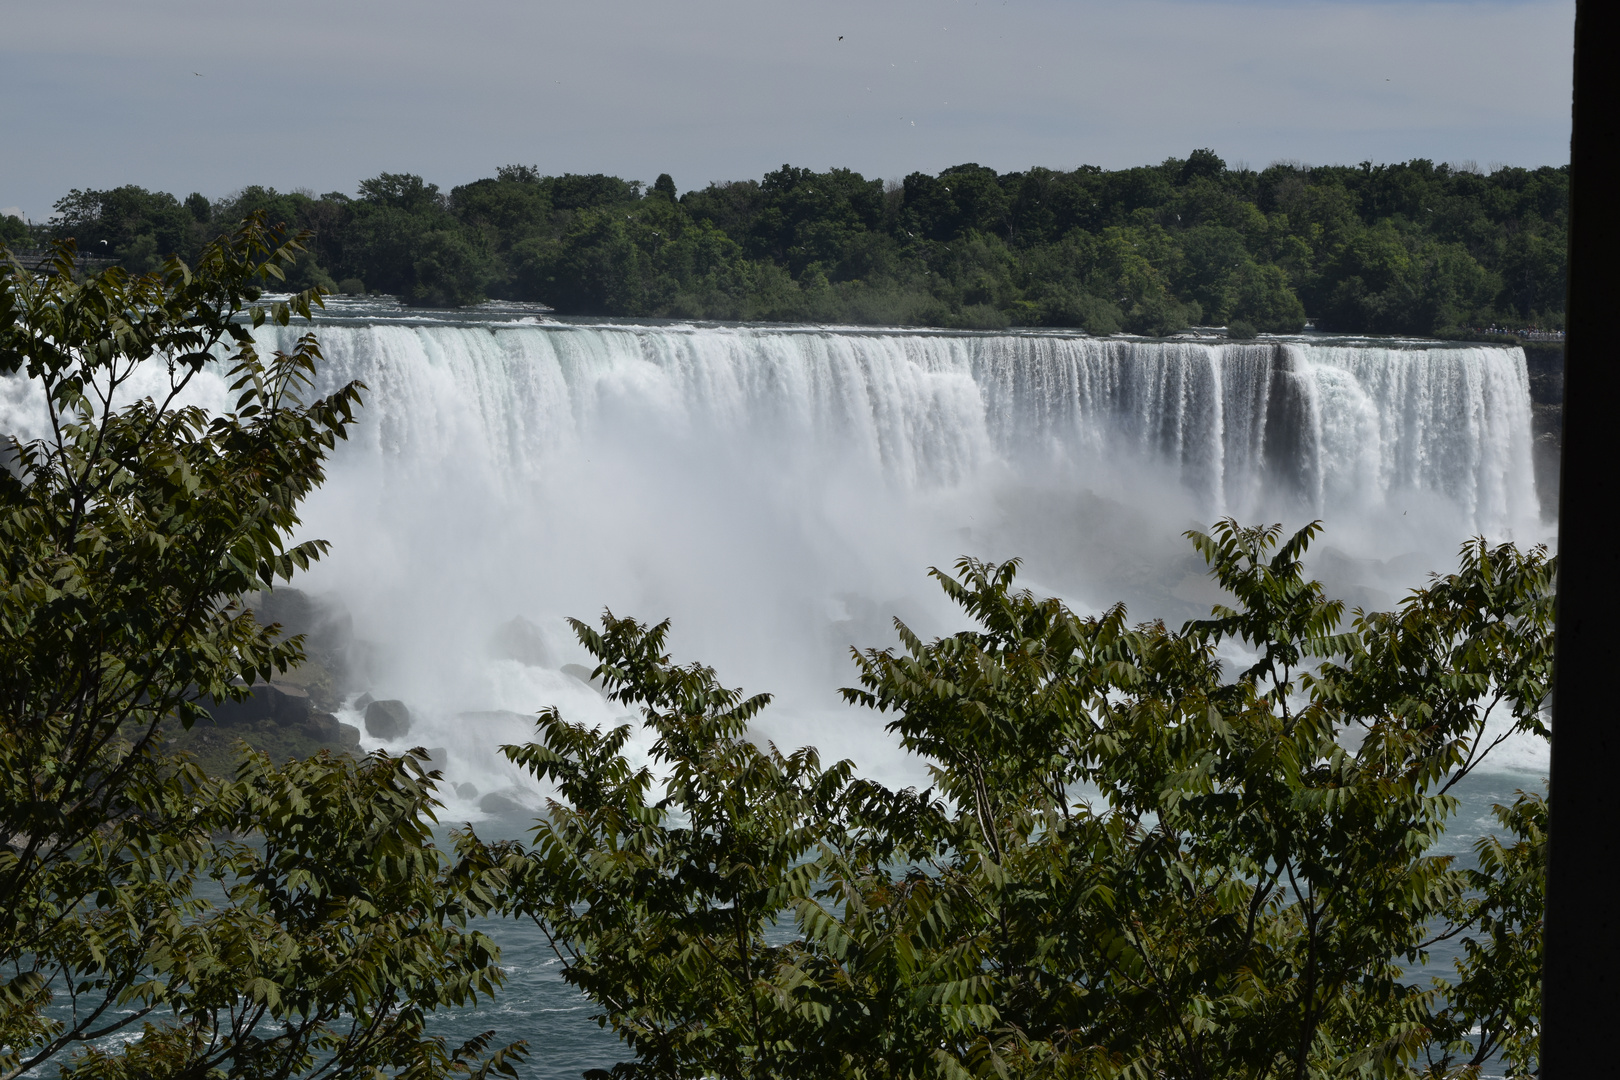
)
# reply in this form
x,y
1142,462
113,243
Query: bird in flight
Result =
x,y
840,37
197,73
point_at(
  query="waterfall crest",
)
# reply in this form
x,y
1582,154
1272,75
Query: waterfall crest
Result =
x,y
1281,428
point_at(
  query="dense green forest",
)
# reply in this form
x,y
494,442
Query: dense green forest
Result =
x,y
1413,248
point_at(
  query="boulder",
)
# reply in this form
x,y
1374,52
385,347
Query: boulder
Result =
x,y
520,640
328,636
388,720
362,701
322,726
500,806
255,708
282,705
326,728
467,791
278,703
583,674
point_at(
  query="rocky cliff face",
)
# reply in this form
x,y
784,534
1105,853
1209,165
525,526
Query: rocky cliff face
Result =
x,y
329,643
291,716
1545,362
286,706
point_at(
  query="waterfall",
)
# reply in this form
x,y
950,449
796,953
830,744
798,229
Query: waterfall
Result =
x,y
1244,428
780,492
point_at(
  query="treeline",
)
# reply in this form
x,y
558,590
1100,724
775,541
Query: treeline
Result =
x,y
1413,248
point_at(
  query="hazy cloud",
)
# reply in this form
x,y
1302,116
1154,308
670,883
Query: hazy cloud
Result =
x,y
185,94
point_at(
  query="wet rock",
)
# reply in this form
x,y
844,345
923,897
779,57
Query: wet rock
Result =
x,y
388,720
467,791
520,640
326,728
500,806
323,726
276,703
361,702
275,719
328,635
583,674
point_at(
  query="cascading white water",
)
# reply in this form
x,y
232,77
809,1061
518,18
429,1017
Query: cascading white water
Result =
x,y
1333,428
780,492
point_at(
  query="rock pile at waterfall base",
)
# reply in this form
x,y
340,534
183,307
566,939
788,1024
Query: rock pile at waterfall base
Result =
x,y
388,720
277,718
291,717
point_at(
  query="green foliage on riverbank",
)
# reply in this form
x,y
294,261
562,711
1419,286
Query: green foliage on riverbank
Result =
x,y
1413,248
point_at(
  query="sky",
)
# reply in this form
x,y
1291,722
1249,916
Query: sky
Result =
x,y
213,95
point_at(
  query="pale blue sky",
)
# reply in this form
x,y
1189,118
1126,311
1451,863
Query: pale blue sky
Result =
x,y
95,93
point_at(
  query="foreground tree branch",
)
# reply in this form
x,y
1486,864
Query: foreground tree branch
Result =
x,y
131,526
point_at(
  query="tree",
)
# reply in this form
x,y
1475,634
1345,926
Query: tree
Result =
x,y
1204,163
129,223
130,527
1413,248
660,901
1134,859
400,237
595,268
14,231
1261,297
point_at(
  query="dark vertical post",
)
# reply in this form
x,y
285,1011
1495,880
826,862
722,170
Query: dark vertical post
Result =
x,y
1581,981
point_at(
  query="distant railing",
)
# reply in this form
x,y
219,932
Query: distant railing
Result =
x,y
1526,333
39,260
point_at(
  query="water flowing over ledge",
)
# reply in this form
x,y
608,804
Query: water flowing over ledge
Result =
x,y
1279,428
